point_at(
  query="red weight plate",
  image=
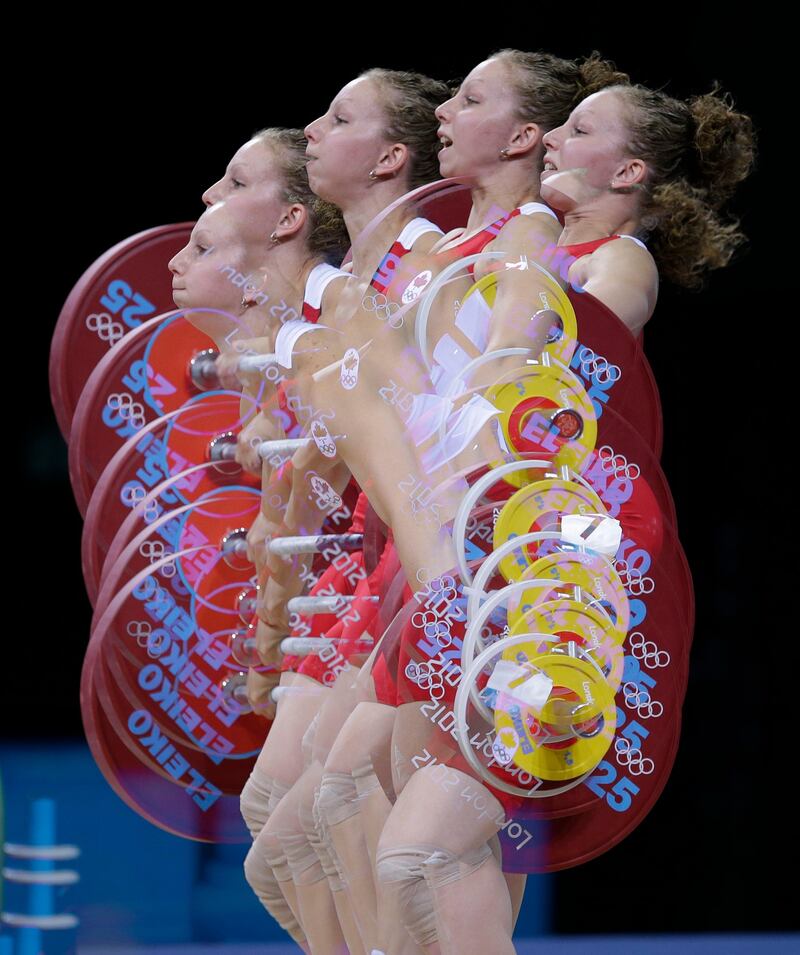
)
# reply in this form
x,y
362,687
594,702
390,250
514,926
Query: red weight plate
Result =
x,y
126,285
152,542
169,728
233,513
448,206
144,461
191,523
189,437
432,626
121,396
634,393
164,498
446,202
164,375
189,805
157,652
631,453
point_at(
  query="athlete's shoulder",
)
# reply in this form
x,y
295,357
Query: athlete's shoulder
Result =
x,y
529,233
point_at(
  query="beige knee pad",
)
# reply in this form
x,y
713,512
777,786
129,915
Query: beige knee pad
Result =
x,y
366,780
320,841
443,867
303,861
263,882
416,870
338,798
403,868
254,801
277,792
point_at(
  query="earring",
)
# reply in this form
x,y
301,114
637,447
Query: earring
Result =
x,y
246,303
372,175
504,153
274,238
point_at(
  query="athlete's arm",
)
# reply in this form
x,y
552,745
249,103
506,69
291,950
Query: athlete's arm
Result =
x,y
623,276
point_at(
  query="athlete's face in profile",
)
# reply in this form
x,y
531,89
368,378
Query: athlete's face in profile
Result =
x,y
198,278
586,155
250,189
346,143
476,123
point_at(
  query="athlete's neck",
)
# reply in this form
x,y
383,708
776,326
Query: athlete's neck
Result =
x,y
497,198
587,225
362,211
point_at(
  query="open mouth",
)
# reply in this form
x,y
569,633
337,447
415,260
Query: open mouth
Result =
x,y
446,141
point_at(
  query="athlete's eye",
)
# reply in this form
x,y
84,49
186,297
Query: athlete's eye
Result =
x,y
338,119
237,184
470,99
201,248
578,131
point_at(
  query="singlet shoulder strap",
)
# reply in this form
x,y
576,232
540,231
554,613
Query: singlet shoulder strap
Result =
x,y
633,238
414,229
531,208
318,280
288,336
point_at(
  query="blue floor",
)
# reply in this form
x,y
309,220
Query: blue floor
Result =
x,y
575,945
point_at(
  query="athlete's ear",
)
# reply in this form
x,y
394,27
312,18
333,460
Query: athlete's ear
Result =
x,y
526,137
292,220
391,161
629,174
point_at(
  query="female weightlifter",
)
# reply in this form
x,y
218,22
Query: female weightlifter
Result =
x,y
628,160
492,141
376,142
263,222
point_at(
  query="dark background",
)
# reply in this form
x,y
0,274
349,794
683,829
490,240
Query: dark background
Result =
x,y
127,136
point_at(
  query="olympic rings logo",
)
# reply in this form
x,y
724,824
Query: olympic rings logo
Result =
x,y
153,642
632,758
348,379
635,584
155,550
648,651
107,329
432,627
385,310
132,496
639,700
444,586
426,678
503,753
597,367
127,409
139,629
617,464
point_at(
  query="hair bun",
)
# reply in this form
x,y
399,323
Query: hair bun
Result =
x,y
724,143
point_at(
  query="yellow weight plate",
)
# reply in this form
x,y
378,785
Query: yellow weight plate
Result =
x,y
545,411
563,341
593,573
581,702
539,507
589,627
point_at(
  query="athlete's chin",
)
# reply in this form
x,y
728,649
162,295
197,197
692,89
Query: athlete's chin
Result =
x,y
556,198
448,163
317,182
